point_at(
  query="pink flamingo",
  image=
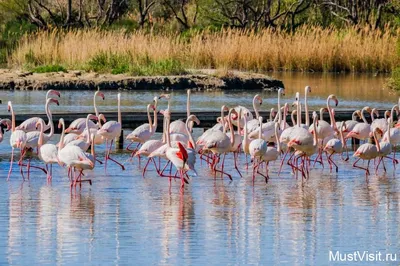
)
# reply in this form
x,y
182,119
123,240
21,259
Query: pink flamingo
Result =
x,y
305,143
367,151
48,153
110,130
219,143
336,146
78,125
75,158
30,124
361,131
144,132
17,140
178,157
257,149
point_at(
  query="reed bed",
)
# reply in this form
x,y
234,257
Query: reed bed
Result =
x,y
308,49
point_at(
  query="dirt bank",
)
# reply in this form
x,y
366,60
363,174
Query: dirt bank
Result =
x,y
79,80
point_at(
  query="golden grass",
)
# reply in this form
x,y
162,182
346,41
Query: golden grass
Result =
x,y
308,49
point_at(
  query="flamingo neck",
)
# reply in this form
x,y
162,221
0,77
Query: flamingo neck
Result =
x,y
378,146
328,106
363,116
333,121
284,116
94,103
50,116
167,133
119,111
189,133
231,129
93,149
391,113
88,129
188,104
245,133
306,107
341,135
294,122
298,114
149,118
315,144
155,120
12,118
279,108
278,144
255,107
260,128
40,142
61,143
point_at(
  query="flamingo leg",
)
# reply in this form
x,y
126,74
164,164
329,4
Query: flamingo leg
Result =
x,y
109,157
283,160
360,167
106,156
235,155
33,166
332,162
11,164
144,169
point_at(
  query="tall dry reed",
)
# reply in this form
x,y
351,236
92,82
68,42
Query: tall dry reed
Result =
x,y
308,49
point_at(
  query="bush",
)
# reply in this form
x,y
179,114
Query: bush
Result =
x,y
104,62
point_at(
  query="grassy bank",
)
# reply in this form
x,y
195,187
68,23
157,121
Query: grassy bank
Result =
x,y
308,49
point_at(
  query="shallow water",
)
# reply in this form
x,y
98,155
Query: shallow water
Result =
x,y
353,91
125,218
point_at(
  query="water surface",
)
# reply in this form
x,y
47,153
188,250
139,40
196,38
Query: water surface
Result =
x,y
124,217
354,91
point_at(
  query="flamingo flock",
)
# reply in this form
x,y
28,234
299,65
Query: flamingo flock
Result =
x,y
301,146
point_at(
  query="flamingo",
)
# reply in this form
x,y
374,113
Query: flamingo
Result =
x,y
219,127
178,157
110,130
30,124
78,125
305,143
394,135
367,151
219,143
272,153
85,135
32,137
48,153
253,123
307,90
17,140
80,141
361,131
257,149
144,132
336,146
268,128
75,158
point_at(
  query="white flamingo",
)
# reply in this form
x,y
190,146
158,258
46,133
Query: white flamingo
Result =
x,y
17,140
336,146
361,131
30,124
110,130
78,125
76,159
367,151
48,153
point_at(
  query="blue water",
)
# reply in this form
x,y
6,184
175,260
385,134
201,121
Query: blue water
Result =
x,y
124,218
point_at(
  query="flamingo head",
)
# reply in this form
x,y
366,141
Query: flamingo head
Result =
x,y
166,96
102,118
51,100
194,118
7,123
9,106
54,92
333,98
308,89
258,97
100,94
60,122
281,91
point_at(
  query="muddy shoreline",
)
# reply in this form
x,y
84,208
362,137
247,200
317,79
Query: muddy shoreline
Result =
x,y
79,80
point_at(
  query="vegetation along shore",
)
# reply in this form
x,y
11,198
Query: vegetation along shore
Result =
x,y
154,37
